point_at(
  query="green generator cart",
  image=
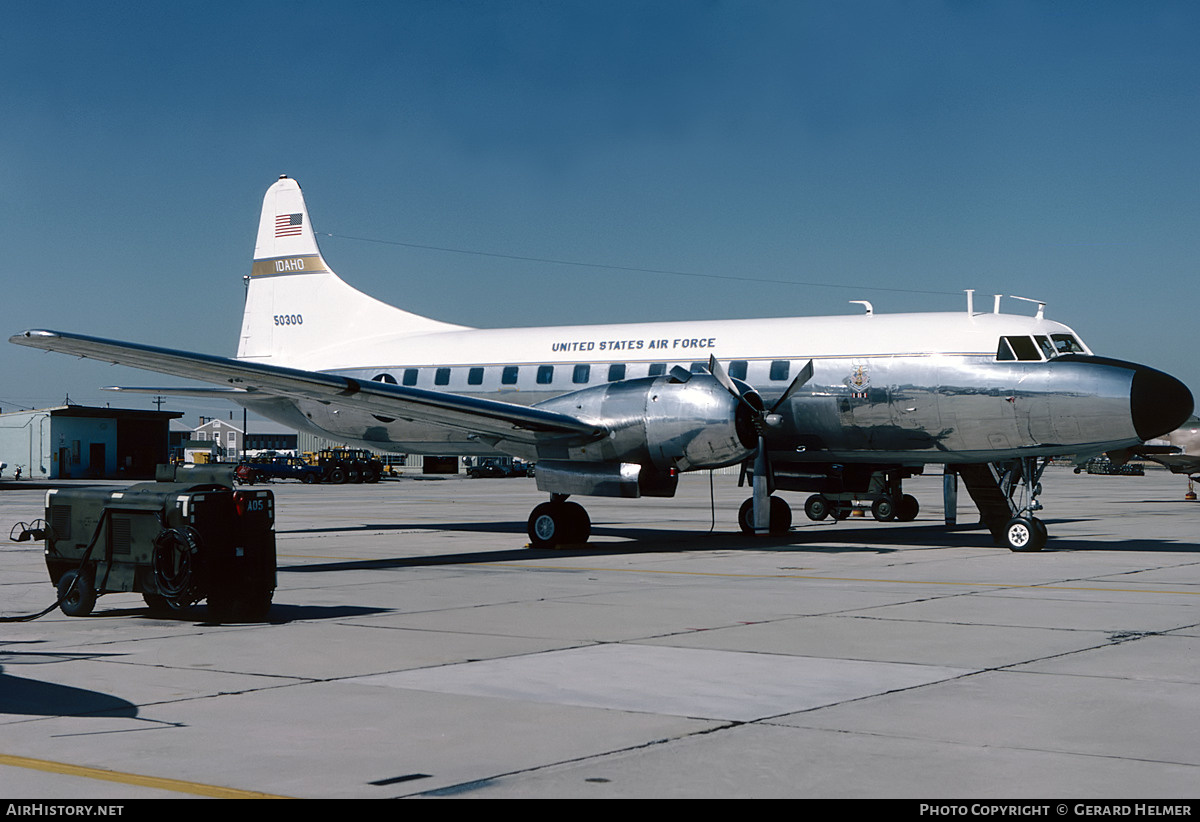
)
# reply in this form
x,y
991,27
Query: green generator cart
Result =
x,y
185,538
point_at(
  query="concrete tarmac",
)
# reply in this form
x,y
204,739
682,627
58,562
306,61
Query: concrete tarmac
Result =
x,y
417,648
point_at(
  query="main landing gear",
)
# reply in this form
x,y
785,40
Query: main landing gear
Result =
x,y
884,508
779,516
558,523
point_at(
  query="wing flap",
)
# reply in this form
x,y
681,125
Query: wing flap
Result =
x,y
471,414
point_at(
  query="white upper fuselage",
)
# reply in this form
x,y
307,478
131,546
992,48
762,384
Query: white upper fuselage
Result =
x,y
679,342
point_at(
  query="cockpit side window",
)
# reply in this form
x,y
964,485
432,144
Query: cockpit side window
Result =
x,y
1038,347
1018,348
1044,343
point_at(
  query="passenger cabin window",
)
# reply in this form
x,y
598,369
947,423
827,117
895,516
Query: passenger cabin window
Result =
x,y
737,369
441,376
581,374
616,372
475,376
780,369
699,368
388,378
657,369
545,374
509,375
410,376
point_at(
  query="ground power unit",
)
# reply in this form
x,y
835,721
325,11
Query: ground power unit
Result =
x,y
185,538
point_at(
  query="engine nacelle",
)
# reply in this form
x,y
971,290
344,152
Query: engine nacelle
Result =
x,y
661,422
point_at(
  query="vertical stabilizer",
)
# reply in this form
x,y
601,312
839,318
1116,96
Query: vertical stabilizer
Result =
x,y
296,306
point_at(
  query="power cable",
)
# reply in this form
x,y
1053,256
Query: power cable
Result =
x,y
634,269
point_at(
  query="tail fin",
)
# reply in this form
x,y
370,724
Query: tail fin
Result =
x,y
297,309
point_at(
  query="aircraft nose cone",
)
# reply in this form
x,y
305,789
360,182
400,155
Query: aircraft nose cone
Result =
x,y
1158,402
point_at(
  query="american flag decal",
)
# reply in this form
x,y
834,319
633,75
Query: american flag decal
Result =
x,y
288,225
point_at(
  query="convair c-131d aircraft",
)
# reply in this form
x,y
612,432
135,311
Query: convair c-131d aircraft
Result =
x,y
843,407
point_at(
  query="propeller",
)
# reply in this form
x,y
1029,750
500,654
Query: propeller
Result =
x,y
762,420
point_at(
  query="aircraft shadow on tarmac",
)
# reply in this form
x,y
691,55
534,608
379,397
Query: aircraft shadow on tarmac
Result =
x,y
278,614
20,696
824,538
31,697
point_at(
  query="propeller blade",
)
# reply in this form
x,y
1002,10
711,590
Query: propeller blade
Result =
x,y
763,480
717,370
806,374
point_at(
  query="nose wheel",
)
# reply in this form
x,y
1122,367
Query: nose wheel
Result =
x,y
1025,534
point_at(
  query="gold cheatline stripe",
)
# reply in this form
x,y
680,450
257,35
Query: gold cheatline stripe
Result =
x,y
295,264
176,785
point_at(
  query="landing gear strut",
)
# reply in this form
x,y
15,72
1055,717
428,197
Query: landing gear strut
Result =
x,y
1025,532
559,523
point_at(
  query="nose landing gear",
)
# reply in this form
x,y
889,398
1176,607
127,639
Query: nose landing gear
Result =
x,y
1025,532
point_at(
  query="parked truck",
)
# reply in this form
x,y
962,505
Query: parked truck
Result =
x,y
339,465
265,469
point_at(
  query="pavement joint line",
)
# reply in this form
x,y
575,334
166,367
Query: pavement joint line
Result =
x,y
141,780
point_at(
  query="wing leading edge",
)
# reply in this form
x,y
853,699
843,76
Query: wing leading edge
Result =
x,y
487,418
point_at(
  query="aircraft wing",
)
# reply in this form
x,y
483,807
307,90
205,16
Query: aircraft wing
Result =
x,y
212,392
487,418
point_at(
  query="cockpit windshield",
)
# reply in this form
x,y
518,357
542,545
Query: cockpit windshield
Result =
x,y
1038,347
1067,344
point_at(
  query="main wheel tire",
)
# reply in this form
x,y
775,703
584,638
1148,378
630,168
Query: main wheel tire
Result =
x,y
883,510
779,516
555,524
907,508
816,507
77,593
1023,535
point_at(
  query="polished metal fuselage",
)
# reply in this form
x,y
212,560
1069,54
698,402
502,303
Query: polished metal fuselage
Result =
x,y
906,409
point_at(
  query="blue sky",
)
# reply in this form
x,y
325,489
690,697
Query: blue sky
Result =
x,y
782,157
